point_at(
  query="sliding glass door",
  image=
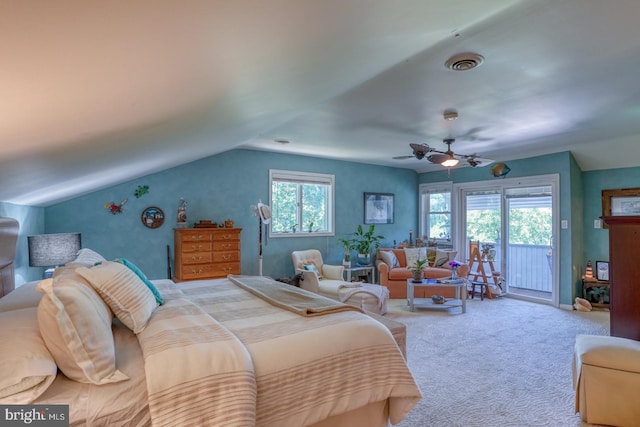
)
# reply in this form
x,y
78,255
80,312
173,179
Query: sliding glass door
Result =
x,y
512,224
529,241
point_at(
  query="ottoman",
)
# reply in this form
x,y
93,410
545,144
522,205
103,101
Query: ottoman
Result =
x,y
367,296
606,378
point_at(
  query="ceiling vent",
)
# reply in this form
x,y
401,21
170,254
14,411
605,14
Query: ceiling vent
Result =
x,y
464,61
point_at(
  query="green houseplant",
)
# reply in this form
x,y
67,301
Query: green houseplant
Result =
x,y
347,244
416,269
365,242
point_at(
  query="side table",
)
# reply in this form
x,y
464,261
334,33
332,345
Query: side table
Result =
x,y
369,270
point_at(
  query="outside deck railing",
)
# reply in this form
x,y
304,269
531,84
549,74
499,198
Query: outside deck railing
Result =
x,y
530,267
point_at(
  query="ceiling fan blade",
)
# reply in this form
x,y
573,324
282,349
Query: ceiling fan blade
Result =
x,y
438,158
422,148
403,157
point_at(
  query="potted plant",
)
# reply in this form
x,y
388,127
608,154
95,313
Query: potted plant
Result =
x,y
365,242
347,244
416,269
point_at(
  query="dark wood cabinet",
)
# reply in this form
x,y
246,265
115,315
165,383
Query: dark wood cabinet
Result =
x,y
624,275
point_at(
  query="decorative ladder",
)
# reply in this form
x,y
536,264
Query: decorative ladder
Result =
x,y
479,271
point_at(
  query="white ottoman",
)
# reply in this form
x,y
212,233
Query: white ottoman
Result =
x,y
606,378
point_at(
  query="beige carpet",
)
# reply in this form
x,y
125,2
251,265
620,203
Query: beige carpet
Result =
x,y
505,362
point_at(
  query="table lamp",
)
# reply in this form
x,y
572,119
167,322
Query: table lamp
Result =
x,y
52,250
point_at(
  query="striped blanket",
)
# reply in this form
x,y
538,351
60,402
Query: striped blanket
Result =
x,y
218,354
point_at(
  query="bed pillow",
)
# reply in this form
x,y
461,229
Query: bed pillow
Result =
x,y
142,277
27,368
86,258
123,291
76,327
389,258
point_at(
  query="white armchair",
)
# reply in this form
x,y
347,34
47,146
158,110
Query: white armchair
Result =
x,y
327,280
324,272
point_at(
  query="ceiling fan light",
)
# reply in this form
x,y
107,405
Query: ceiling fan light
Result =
x,y
451,161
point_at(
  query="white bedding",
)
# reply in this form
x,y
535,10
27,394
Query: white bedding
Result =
x,y
306,369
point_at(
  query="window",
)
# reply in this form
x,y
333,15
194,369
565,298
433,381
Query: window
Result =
x,y
301,203
435,212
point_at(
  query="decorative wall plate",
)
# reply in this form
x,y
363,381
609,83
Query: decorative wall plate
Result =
x,y
152,217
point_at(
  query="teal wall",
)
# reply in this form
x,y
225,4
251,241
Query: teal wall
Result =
x,y
224,187
31,222
562,164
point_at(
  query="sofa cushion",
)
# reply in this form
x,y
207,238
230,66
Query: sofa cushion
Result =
x,y
389,258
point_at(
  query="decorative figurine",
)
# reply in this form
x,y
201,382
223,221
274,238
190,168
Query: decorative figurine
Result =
x,y
113,208
141,191
182,213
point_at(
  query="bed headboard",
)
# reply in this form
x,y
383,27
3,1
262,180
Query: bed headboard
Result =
x,y
9,228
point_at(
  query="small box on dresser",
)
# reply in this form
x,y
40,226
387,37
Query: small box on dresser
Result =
x,y
206,253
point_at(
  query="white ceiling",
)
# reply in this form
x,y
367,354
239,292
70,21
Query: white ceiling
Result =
x,y
95,93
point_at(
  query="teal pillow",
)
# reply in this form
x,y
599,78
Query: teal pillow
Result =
x,y
142,277
312,267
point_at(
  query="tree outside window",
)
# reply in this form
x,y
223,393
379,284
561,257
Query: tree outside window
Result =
x,y
301,203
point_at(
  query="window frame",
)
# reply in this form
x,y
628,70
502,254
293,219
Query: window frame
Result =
x,y
299,178
434,188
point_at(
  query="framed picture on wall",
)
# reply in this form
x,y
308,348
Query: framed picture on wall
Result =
x,y
602,270
378,208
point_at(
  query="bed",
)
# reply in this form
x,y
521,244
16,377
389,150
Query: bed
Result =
x,y
240,351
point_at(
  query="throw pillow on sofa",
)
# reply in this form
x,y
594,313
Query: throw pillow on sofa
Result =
x,y
389,258
414,254
443,257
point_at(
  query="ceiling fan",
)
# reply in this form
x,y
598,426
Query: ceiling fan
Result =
x,y
445,158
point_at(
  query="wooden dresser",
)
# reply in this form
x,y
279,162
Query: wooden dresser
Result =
x,y
206,253
624,275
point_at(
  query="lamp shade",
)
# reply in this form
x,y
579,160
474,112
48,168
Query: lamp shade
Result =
x,y
50,250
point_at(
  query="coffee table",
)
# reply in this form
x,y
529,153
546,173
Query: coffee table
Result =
x,y
428,303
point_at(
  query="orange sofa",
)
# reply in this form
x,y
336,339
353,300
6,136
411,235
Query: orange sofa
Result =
x,y
395,278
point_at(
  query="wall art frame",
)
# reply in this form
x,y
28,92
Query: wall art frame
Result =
x,y
152,217
602,271
620,202
379,208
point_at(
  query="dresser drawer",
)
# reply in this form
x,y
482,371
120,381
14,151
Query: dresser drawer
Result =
x,y
227,245
187,236
222,269
224,236
197,271
198,246
226,256
196,258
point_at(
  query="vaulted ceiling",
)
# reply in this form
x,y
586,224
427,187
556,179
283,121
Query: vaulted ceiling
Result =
x,y
96,93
